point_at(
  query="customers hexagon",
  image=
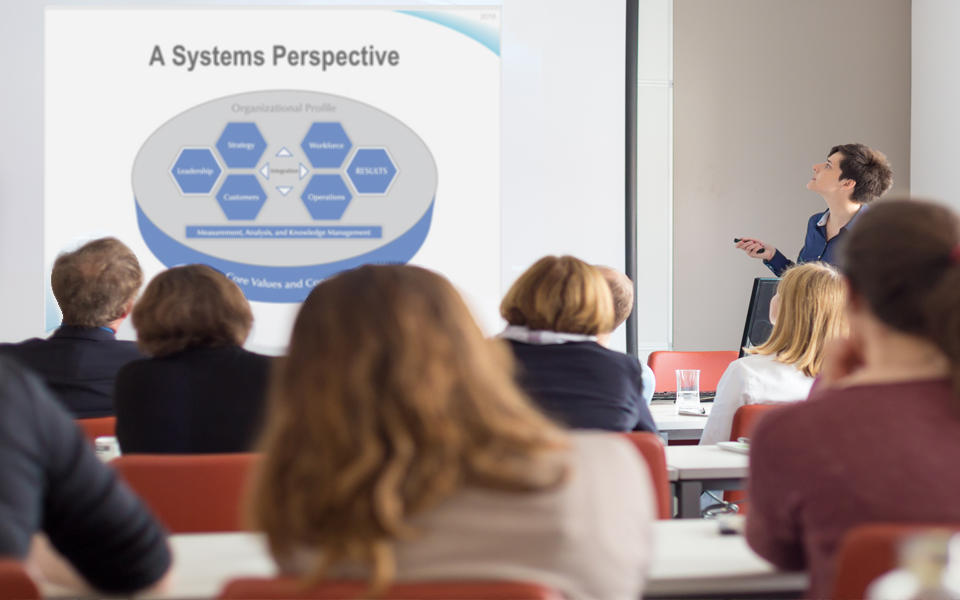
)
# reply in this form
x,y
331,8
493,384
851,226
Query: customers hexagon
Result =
x,y
195,170
326,145
241,145
326,197
241,197
371,171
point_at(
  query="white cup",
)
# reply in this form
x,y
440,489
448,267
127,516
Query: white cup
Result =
x,y
688,390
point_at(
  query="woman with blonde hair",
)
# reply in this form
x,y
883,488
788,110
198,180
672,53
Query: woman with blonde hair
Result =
x,y
398,447
555,312
807,312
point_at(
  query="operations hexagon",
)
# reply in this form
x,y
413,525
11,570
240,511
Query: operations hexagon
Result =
x,y
241,197
195,170
241,145
326,197
371,171
326,145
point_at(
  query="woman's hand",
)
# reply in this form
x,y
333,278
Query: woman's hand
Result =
x,y
756,248
841,358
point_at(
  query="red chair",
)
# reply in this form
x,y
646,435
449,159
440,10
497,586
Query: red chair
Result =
x,y
100,426
15,584
744,420
712,364
651,448
868,551
190,493
286,588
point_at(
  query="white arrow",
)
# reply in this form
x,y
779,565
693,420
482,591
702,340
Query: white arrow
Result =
x,y
265,171
284,189
303,170
284,153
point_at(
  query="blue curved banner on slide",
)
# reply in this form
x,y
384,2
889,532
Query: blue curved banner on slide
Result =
x,y
265,283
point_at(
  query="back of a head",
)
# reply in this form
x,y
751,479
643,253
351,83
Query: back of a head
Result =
x,y
869,168
189,307
810,313
903,259
621,288
95,283
560,293
390,399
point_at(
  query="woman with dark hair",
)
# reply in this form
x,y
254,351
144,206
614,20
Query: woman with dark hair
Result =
x,y
199,391
399,447
879,438
555,311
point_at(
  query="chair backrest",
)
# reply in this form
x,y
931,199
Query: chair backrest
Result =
x,y
15,584
190,493
651,448
286,588
868,551
712,364
99,426
746,417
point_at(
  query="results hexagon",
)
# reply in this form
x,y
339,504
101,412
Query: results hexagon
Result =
x,y
371,171
241,197
326,197
241,145
326,145
195,170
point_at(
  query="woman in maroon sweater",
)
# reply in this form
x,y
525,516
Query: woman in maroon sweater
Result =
x,y
879,438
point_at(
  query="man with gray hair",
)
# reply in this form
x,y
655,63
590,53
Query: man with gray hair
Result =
x,y
95,286
621,288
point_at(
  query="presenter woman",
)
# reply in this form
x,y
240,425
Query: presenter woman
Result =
x,y
852,176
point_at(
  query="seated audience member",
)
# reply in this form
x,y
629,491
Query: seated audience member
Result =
x,y
95,287
621,288
806,313
555,311
399,447
878,439
200,391
52,482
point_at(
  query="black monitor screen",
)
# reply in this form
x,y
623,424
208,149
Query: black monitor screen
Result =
x,y
758,326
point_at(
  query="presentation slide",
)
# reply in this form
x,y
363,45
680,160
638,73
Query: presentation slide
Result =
x,y
279,145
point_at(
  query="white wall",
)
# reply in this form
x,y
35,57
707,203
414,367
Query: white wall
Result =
x,y
935,119
563,140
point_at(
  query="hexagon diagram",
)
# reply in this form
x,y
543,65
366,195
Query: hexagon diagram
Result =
x,y
241,197
326,145
195,170
241,145
326,197
371,171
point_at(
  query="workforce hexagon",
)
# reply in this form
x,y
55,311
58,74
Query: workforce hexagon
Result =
x,y
195,170
241,197
241,145
326,197
326,145
371,171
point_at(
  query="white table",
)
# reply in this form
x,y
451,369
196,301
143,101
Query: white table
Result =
x,y
693,469
690,558
678,427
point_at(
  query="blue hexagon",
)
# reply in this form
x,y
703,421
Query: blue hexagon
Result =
x,y
326,145
196,170
326,197
241,197
371,171
241,145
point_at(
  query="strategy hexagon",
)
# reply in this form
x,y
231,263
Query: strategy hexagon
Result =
x,y
371,170
241,145
326,197
196,170
326,145
241,197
